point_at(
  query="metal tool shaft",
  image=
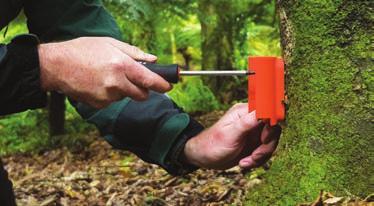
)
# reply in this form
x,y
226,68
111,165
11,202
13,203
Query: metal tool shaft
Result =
x,y
217,73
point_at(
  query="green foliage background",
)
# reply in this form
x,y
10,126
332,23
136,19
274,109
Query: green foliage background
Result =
x,y
172,31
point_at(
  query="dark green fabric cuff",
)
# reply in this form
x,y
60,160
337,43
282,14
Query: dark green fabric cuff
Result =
x,y
175,161
20,86
166,137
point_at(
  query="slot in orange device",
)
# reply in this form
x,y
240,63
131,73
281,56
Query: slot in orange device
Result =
x,y
266,88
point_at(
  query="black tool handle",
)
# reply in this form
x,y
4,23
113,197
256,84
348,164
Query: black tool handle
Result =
x,y
169,72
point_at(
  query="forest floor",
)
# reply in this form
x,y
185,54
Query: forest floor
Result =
x,y
99,175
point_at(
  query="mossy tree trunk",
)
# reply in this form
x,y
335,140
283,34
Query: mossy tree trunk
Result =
x,y
328,139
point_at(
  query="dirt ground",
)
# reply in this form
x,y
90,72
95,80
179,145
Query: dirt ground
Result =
x,y
99,175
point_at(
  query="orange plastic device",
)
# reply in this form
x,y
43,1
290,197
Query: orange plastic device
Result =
x,y
266,88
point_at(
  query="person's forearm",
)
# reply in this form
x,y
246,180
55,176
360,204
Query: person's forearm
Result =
x,y
191,153
48,55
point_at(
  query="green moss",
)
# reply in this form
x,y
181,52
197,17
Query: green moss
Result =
x,y
327,139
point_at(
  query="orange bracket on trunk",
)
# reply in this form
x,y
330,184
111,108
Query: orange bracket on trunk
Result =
x,y
266,88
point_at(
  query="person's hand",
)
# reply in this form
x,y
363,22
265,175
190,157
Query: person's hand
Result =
x,y
98,70
236,139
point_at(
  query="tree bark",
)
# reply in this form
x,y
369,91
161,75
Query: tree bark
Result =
x,y
56,112
327,143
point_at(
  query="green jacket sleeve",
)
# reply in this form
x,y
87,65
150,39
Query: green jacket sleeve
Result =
x,y
19,67
67,19
20,76
156,130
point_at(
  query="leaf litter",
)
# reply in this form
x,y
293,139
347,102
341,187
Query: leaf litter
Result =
x,y
99,175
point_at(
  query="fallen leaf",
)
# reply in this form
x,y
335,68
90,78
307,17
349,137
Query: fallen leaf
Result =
x,y
333,200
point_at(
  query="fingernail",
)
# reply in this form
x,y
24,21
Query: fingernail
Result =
x,y
243,164
246,163
151,56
